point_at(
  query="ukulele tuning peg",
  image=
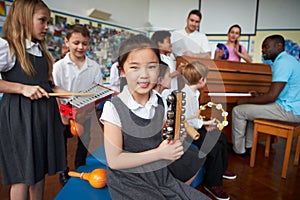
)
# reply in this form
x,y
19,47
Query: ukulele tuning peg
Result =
x,y
170,122
182,118
166,136
182,131
183,102
170,114
183,95
170,129
170,98
182,110
181,125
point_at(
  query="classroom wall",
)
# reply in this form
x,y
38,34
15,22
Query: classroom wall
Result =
x,y
274,17
170,16
278,14
130,13
272,14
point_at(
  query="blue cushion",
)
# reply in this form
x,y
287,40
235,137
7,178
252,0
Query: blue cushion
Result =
x,y
77,189
97,160
97,156
199,178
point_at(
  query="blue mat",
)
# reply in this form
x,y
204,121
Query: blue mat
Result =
x,y
77,189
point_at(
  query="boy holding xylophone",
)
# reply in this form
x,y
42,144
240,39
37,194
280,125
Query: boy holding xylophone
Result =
x,y
76,72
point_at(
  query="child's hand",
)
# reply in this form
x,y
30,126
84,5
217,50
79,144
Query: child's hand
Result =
x,y
183,136
210,124
34,92
170,150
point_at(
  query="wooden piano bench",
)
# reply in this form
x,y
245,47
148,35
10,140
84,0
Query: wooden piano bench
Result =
x,y
283,129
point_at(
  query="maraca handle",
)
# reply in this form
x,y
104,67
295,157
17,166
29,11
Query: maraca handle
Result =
x,y
75,174
82,175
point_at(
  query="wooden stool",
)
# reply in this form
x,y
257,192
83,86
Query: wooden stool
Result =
x,y
282,129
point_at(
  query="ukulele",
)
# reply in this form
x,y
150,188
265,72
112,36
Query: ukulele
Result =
x,y
176,124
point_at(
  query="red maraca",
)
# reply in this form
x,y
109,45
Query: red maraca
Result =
x,y
97,178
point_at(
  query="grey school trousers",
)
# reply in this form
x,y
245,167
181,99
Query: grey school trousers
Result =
x,y
242,122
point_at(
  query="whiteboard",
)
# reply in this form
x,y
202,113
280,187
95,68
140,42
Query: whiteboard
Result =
x,y
219,15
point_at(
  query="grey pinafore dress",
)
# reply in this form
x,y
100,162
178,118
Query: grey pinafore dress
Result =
x,y
31,131
152,181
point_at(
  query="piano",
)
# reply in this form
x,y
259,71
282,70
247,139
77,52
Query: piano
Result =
x,y
228,81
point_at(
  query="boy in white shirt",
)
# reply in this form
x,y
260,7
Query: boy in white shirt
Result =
x,y
162,39
216,158
76,72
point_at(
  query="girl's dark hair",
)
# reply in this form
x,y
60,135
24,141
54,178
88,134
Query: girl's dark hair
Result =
x,y
133,43
78,28
159,36
162,69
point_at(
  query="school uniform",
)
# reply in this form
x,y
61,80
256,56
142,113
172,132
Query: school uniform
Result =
x,y
217,159
31,131
141,131
67,75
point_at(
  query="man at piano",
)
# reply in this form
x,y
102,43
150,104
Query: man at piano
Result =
x,y
281,102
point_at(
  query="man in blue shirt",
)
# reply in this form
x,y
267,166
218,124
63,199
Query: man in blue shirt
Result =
x,y
281,102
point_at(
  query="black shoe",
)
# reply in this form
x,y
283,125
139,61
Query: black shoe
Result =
x,y
243,155
248,151
64,177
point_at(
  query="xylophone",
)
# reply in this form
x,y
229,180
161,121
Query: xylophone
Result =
x,y
77,104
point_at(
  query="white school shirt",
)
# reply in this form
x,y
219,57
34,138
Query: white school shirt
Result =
x,y
195,42
114,78
67,75
7,61
111,115
192,106
164,99
171,62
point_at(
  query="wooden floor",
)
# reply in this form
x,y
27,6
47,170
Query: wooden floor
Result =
x,y
261,182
